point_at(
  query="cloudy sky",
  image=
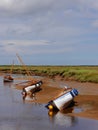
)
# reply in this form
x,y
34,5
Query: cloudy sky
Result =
x,y
49,32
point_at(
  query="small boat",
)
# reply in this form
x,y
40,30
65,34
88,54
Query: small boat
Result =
x,y
63,101
8,78
32,88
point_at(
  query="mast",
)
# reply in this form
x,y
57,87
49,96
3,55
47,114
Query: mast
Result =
x,y
25,67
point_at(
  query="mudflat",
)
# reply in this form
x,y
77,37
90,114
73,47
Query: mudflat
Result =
x,y
86,102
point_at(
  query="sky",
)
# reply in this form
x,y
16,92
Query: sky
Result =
x,y
49,32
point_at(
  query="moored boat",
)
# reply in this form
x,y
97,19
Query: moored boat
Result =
x,y
8,78
62,101
32,88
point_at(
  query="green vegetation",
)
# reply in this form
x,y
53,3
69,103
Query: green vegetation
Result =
x,y
77,73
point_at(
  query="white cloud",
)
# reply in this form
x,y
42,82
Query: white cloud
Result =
x,y
20,7
31,26
24,42
14,29
12,7
89,7
47,24
34,47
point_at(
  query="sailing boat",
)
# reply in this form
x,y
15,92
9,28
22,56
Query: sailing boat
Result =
x,y
8,77
32,85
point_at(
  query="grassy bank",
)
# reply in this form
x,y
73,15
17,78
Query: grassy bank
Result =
x,y
77,73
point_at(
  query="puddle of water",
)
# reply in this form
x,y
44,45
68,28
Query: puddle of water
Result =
x,y
19,115
77,110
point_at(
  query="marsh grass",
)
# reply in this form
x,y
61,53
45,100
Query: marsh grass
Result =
x,y
77,73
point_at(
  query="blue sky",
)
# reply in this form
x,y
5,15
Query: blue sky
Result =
x,y
49,32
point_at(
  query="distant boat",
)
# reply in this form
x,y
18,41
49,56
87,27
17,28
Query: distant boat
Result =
x,y
8,78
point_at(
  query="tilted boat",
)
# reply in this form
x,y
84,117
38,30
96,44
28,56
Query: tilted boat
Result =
x,y
32,88
63,101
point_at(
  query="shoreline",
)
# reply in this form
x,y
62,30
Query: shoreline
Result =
x,y
86,100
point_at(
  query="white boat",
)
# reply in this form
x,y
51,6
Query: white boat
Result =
x,y
32,88
63,101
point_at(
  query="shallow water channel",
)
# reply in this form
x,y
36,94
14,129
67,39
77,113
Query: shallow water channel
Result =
x,y
16,114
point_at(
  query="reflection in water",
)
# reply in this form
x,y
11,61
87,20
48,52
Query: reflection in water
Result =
x,y
17,115
61,118
29,97
9,84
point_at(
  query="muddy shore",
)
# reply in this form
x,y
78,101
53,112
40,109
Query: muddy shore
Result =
x,y
86,101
